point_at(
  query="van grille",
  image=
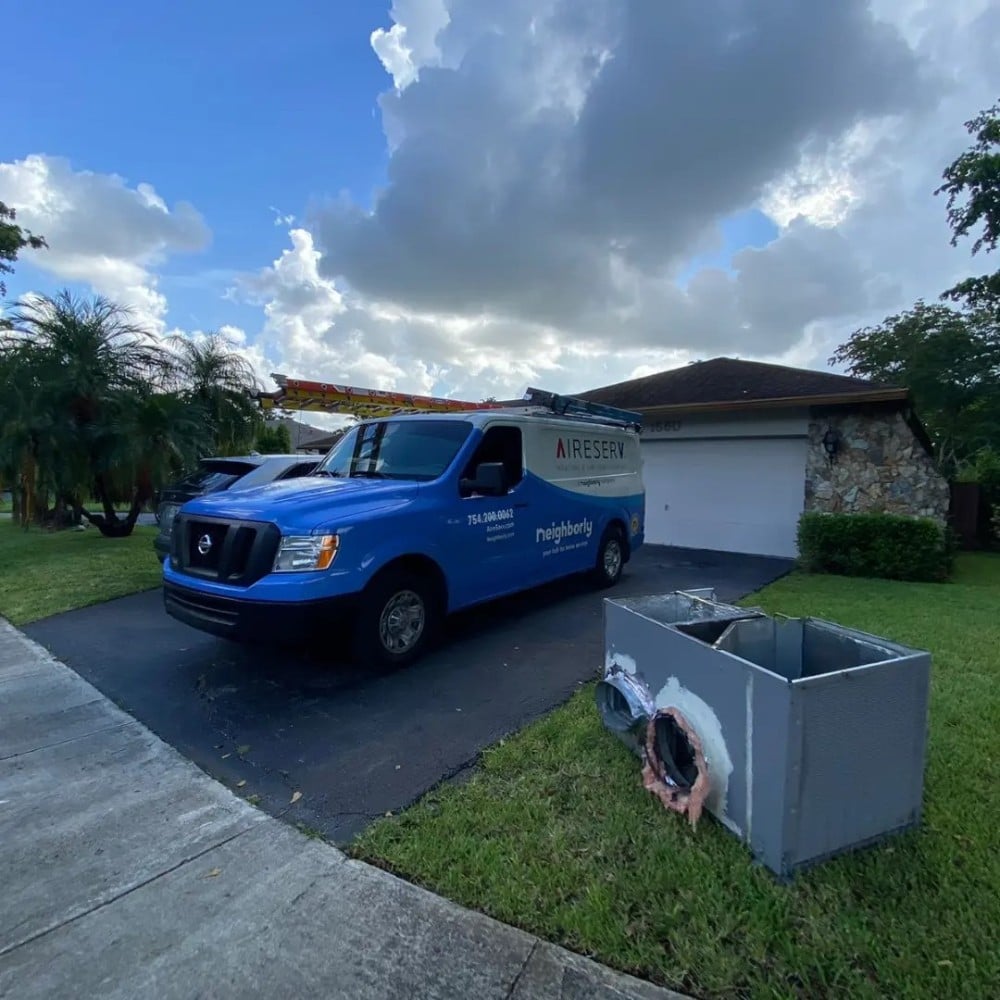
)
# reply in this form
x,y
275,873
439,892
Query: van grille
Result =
x,y
215,548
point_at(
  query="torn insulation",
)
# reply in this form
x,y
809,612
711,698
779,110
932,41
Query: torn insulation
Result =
x,y
674,766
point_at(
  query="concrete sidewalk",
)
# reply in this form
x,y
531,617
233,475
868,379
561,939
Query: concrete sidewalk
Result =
x,y
126,872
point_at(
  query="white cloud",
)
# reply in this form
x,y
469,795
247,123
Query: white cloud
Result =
x,y
554,165
411,42
823,187
565,157
99,230
311,330
284,219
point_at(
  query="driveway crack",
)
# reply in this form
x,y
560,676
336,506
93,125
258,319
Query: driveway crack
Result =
x,y
71,739
520,972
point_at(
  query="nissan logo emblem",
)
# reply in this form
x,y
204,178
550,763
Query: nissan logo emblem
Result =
x,y
204,545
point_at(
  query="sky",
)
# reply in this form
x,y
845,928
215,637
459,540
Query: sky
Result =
x,y
467,198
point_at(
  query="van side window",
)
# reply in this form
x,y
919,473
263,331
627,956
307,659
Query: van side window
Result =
x,y
499,444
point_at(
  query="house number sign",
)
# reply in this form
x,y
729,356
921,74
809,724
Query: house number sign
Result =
x,y
663,427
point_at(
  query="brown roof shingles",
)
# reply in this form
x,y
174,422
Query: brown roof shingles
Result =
x,y
732,381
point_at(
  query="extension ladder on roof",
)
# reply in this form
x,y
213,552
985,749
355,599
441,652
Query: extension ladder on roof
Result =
x,y
328,397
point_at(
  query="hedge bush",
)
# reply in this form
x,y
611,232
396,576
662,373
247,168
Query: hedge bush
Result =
x,y
877,545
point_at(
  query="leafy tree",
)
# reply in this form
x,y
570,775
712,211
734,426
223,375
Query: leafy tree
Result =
x,y
984,468
162,435
92,413
222,384
95,406
972,183
13,239
274,438
22,427
950,361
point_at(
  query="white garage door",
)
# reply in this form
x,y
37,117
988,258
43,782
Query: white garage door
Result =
x,y
732,495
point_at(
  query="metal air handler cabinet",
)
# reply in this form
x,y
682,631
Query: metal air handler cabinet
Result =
x,y
814,735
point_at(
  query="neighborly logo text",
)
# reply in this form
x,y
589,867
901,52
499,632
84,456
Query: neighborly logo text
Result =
x,y
564,529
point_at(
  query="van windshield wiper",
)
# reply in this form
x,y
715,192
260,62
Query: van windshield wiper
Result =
x,y
327,472
367,474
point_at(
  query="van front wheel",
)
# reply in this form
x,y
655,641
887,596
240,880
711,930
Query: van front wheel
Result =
x,y
610,557
397,616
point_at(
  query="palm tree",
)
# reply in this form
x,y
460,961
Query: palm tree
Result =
x,y
85,372
159,434
31,433
96,406
222,383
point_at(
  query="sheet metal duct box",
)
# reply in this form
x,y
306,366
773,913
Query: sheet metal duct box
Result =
x,y
813,735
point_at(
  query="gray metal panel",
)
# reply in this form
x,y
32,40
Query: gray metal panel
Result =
x,y
721,682
789,636
863,752
769,725
825,727
682,606
661,653
827,648
752,640
774,645
792,784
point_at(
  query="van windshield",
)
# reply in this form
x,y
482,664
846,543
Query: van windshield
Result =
x,y
396,449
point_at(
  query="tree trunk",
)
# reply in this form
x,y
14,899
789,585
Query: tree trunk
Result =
x,y
104,496
110,525
28,477
116,528
66,513
16,502
44,516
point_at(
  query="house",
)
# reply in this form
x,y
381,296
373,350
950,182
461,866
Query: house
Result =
x,y
734,451
307,439
321,445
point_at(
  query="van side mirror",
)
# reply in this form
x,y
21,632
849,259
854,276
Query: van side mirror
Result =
x,y
490,480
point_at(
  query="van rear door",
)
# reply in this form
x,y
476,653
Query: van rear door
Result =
x,y
588,475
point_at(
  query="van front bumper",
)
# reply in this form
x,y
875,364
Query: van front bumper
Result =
x,y
257,621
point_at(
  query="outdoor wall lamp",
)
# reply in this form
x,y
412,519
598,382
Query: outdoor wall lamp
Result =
x,y
831,442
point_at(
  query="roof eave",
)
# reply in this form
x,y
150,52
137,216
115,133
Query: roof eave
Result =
x,y
781,402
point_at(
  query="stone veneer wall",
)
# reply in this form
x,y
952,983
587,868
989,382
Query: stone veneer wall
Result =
x,y
880,466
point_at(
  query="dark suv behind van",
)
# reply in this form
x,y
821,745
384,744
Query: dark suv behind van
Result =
x,y
216,474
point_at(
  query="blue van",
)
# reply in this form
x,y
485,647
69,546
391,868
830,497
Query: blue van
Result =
x,y
407,519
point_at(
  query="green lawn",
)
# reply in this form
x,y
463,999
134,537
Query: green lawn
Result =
x,y
43,573
556,835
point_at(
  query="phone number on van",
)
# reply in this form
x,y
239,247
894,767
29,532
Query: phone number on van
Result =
x,y
492,516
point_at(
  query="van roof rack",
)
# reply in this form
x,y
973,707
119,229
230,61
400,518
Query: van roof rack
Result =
x,y
364,403
583,409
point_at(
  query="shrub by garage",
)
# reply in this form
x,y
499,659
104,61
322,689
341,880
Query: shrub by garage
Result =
x,y
892,546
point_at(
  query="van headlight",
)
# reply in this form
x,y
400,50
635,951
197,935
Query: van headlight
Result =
x,y
302,553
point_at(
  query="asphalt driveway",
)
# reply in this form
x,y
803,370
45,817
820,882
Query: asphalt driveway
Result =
x,y
356,743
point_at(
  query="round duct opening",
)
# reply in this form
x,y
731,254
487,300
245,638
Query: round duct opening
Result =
x,y
675,752
618,712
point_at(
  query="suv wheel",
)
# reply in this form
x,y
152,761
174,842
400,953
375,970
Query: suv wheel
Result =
x,y
610,557
398,615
